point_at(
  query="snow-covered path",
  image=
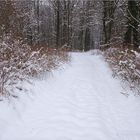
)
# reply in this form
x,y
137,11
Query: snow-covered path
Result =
x,y
83,102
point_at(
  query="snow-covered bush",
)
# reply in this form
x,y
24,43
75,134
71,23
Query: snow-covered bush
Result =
x,y
18,63
125,63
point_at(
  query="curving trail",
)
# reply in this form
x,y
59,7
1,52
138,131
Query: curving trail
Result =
x,y
83,102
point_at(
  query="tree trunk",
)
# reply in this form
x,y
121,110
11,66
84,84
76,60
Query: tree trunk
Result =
x,y
131,35
58,24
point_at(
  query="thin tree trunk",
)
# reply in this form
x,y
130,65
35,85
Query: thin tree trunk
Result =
x,y
58,25
38,18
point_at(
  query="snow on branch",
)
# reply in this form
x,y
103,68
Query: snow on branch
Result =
x,y
18,63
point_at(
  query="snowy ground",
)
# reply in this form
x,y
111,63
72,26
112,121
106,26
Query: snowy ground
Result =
x,y
82,102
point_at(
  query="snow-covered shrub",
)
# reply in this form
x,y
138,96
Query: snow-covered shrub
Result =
x,y
18,63
125,63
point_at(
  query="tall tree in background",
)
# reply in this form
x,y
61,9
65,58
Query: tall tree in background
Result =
x,y
131,35
38,20
57,6
8,18
108,20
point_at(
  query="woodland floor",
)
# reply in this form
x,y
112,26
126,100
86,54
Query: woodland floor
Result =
x,y
81,102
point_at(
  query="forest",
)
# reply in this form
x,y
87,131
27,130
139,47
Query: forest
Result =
x,y
69,69
35,31
36,36
77,24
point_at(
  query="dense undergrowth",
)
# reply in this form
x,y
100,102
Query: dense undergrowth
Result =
x,y
125,63
19,63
